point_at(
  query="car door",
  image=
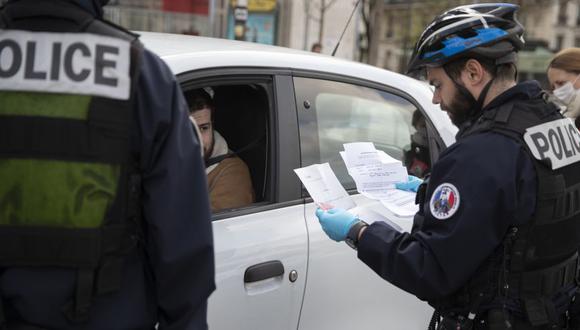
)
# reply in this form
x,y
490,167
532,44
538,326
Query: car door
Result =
x,y
260,249
342,292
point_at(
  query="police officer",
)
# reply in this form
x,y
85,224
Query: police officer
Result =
x,y
494,245
104,213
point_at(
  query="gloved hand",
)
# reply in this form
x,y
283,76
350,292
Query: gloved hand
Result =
x,y
336,222
411,185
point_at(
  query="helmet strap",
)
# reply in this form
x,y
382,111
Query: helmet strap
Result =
x,y
463,91
483,94
476,105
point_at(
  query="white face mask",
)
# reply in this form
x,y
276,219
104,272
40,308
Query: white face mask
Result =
x,y
566,93
569,97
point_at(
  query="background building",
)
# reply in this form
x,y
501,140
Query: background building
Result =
x,y
173,16
550,26
290,23
381,33
322,21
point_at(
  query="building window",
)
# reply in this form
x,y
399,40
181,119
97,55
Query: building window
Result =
x,y
390,26
559,42
577,42
387,63
563,12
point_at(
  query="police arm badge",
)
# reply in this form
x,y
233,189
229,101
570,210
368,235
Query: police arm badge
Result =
x,y
444,201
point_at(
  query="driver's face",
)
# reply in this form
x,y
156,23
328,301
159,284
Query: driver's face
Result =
x,y
203,119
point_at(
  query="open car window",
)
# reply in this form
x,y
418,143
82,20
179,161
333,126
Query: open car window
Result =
x,y
238,162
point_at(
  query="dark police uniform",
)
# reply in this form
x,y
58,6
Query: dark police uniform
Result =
x,y
160,267
494,233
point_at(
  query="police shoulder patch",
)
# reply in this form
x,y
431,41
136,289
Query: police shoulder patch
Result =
x,y
444,201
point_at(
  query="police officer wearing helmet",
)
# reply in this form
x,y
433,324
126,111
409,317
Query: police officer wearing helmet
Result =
x,y
494,244
104,213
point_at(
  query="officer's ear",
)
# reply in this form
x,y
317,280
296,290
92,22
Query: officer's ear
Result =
x,y
474,74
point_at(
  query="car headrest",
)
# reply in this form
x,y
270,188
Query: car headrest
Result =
x,y
240,114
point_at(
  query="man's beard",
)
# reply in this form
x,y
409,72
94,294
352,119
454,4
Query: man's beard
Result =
x,y
460,109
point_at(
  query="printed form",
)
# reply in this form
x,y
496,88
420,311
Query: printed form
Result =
x,y
375,174
324,187
327,192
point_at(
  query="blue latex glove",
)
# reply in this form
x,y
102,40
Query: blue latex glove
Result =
x,y
336,223
411,185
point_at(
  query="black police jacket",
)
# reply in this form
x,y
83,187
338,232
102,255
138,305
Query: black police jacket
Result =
x,y
482,186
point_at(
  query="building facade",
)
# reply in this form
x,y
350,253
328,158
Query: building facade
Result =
x,y
550,26
290,23
323,21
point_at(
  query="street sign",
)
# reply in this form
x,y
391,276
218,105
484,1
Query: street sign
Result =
x,y
241,14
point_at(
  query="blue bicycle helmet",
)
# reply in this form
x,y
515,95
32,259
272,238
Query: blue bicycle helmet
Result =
x,y
489,30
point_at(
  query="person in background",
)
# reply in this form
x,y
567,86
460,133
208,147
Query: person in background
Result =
x,y
316,47
228,177
563,73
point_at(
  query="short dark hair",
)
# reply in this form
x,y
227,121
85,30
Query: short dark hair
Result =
x,y
500,72
199,99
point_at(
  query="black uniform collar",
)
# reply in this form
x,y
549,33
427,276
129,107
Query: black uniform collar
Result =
x,y
526,90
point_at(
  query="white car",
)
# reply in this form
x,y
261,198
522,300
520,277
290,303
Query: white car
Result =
x,y
282,109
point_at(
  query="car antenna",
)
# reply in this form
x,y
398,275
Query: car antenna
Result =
x,y
345,27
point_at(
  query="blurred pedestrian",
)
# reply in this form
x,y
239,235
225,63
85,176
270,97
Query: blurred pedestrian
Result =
x,y
104,212
563,74
316,48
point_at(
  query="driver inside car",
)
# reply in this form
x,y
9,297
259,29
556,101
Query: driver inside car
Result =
x,y
228,177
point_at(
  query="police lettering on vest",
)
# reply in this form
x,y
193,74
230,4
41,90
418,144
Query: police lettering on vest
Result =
x,y
72,63
558,141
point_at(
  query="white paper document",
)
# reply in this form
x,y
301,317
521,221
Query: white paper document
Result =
x,y
375,174
360,153
401,203
324,187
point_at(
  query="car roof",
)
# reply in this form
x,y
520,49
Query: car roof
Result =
x,y
184,53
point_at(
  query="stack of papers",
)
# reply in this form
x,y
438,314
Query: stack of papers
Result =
x,y
373,171
327,192
375,174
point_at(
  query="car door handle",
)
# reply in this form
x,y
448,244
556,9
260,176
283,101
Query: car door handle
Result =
x,y
263,271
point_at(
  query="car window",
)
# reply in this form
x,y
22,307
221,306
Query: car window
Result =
x,y
237,155
332,113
